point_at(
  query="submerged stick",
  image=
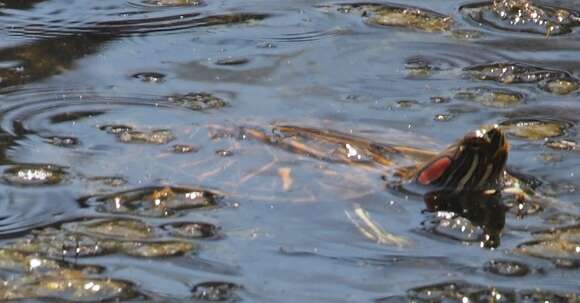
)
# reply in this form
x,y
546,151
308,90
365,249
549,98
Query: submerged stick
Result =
x,y
373,231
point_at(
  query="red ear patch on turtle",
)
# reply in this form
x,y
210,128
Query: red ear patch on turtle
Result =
x,y
434,170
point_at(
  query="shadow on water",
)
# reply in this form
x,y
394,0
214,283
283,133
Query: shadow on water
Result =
x,y
44,58
16,4
484,210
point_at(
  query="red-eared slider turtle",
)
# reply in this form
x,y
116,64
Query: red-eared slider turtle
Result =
x,y
474,163
467,178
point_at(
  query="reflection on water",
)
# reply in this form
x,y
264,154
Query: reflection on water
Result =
x,y
481,209
44,58
176,150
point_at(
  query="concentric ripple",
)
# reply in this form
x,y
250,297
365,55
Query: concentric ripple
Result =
x,y
67,128
37,112
62,129
114,20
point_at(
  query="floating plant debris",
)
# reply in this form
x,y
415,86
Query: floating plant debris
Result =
x,y
191,230
419,67
537,295
522,16
232,61
185,148
569,233
224,153
507,268
158,136
215,291
156,249
439,100
66,286
150,77
383,14
172,3
457,291
101,237
462,34
414,18
559,245
153,201
492,97
422,67
560,86
406,103
117,228
31,261
15,260
443,117
514,73
198,101
550,80
534,129
115,129
59,243
62,141
562,253
127,134
460,291
561,144
112,181
34,174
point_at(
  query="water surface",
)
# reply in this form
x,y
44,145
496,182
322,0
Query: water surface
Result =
x,y
125,171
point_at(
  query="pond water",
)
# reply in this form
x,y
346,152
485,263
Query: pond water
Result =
x,y
131,170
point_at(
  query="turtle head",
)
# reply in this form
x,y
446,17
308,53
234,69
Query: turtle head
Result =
x,y
474,163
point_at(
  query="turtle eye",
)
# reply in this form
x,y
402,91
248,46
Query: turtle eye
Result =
x,y
434,170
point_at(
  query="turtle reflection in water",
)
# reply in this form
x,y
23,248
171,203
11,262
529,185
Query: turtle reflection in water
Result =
x,y
467,178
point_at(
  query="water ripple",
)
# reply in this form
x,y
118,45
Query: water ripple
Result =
x,y
114,21
22,211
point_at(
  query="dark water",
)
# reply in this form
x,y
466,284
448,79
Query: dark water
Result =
x,y
125,175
